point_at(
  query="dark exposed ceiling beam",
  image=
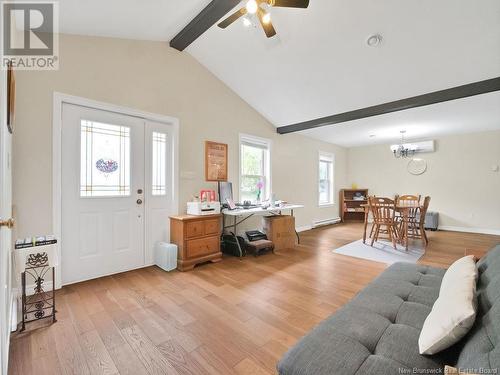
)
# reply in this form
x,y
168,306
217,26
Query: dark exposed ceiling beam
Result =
x,y
471,89
202,22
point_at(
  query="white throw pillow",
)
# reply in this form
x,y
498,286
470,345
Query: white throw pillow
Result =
x,y
454,311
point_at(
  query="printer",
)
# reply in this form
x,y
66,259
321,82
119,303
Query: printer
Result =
x,y
203,208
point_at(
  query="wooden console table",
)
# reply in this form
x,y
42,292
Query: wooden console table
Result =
x,y
197,239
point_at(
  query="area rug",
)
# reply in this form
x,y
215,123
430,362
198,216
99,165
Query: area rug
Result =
x,y
382,251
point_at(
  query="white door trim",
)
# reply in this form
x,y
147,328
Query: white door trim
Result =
x,y
6,293
58,100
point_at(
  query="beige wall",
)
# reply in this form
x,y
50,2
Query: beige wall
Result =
x,y
152,77
459,178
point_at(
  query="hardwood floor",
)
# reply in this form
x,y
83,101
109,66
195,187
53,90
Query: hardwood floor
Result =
x,y
234,317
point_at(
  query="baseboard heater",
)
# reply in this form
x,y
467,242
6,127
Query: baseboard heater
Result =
x,y
320,223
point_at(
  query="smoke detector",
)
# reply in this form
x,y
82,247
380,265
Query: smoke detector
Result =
x,y
374,40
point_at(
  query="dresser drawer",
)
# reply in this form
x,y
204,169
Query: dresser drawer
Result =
x,y
195,229
212,227
202,246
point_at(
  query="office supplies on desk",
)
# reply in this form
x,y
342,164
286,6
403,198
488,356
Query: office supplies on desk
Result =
x,y
255,235
230,204
247,204
207,195
225,193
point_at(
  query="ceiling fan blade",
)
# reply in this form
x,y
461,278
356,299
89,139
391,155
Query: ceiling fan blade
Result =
x,y
268,27
233,17
289,3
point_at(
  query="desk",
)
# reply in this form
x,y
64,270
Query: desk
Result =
x,y
240,215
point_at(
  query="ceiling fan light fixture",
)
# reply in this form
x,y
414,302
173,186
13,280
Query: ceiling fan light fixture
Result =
x,y
252,6
266,18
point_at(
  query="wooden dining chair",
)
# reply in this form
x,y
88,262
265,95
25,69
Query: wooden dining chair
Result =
x,y
408,200
420,223
383,211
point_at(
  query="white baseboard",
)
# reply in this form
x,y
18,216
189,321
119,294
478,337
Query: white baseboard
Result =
x,y
303,228
317,225
470,230
14,319
324,222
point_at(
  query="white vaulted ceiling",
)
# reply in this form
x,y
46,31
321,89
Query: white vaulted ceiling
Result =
x,y
158,20
319,64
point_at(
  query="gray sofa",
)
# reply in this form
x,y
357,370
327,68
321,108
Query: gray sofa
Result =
x,y
377,331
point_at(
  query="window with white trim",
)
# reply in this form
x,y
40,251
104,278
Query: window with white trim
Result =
x,y
255,168
325,182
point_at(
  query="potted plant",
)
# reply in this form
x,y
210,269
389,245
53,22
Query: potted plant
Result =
x,y
259,186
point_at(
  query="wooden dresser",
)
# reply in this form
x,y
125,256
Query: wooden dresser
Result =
x,y
198,239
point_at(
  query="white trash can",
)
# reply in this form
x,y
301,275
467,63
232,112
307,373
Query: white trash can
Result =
x,y
166,256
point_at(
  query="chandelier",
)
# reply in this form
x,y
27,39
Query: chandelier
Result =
x,y
403,150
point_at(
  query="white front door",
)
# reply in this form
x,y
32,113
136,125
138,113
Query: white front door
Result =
x,y
102,193
5,229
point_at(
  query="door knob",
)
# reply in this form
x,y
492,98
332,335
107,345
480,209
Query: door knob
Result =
x,y
139,201
7,223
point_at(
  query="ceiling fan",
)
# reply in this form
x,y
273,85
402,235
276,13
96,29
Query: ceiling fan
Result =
x,y
261,9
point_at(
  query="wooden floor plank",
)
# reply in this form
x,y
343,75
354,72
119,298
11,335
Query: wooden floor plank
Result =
x,y
108,331
42,343
48,365
69,351
183,336
151,327
212,363
126,360
249,367
97,356
78,313
152,358
180,359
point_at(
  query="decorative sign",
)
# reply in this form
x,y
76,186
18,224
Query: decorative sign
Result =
x,y
215,161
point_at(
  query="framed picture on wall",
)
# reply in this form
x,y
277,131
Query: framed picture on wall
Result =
x,y
215,161
11,96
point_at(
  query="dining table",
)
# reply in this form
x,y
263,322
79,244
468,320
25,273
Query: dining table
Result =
x,y
404,208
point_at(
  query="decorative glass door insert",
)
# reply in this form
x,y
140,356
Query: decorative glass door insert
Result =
x,y
104,159
158,163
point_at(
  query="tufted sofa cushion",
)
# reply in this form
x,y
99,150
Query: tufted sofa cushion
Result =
x,y
376,332
480,349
